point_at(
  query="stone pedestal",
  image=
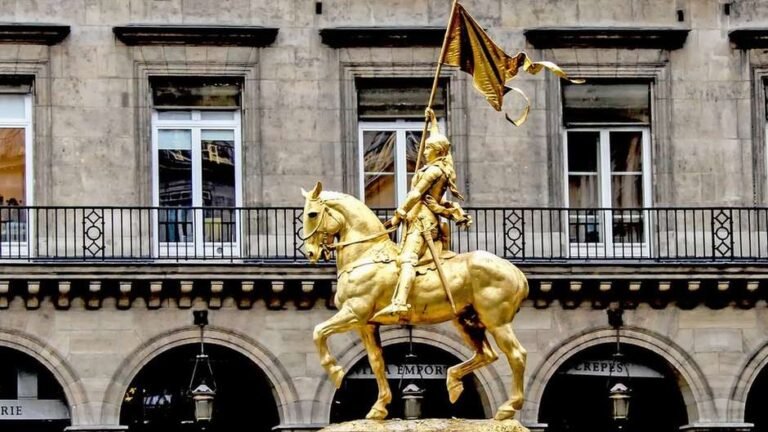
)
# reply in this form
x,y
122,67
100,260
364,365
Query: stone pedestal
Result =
x,y
96,428
718,427
428,425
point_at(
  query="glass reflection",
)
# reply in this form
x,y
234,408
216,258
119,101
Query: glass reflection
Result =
x,y
13,221
175,185
218,154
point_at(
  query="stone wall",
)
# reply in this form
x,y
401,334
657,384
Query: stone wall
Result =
x,y
707,155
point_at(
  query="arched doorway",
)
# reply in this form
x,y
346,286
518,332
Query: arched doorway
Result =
x,y
31,400
157,400
755,407
358,391
576,397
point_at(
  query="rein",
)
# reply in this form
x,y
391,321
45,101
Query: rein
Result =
x,y
329,246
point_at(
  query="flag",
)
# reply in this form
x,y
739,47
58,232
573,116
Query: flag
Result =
x,y
470,48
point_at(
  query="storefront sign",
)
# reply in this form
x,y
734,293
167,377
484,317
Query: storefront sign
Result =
x,y
407,371
611,368
33,409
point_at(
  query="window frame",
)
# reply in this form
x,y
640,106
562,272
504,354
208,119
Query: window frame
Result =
x,y
21,247
198,246
607,247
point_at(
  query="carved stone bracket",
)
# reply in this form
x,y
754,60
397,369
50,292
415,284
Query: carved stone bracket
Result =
x,y
155,292
33,295
4,294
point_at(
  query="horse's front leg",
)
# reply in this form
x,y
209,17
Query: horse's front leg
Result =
x,y
344,320
372,342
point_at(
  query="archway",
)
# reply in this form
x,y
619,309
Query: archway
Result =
x,y
755,411
576,396
31,399
358,391
157,398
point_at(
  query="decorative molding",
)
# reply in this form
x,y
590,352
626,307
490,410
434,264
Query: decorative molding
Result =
x,y
124,299
95,295
63,300
33,295
370,37
668,38
216,35
33,33
749,37
214,301
4,294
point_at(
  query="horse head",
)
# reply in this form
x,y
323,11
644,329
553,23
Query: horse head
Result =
x,y
321,224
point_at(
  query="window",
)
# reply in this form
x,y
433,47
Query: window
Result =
x,y
196,165
15,165
390,123
607,154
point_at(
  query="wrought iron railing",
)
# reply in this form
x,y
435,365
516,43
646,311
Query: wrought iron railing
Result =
x,y
262,234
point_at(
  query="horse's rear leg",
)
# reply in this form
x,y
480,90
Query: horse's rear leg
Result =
x,y
343,320
372,342
516,355
484,354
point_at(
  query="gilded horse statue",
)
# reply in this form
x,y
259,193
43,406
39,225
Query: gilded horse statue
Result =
x,y
487,293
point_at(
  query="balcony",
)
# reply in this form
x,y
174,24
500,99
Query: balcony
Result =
x,y
271,235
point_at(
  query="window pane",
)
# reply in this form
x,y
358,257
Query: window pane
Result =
x,y
12,161
596,102
175,190
626,148
13,222
218,150
583,191
174,139
627,190
379,151
12,106
185,91
412,141
217,115
174,115
582,151
380,191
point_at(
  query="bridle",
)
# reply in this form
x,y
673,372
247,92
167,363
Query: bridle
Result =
x,y
327,244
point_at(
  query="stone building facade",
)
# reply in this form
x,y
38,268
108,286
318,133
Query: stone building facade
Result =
x,y
130,130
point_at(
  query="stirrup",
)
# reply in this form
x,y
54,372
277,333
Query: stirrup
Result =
x,y
393,309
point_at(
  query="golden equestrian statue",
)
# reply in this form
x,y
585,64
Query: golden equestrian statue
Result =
x,y
421,281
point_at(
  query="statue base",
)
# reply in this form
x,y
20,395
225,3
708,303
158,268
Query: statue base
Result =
x,y
427,425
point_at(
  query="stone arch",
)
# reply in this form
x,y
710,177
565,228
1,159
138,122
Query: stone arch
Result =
x,y
493,388
283,389
50,358
748,373
693,385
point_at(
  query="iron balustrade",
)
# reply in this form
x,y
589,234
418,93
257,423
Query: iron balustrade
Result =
x,y
272,234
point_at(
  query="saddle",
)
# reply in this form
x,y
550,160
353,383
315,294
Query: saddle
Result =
x,y
442,244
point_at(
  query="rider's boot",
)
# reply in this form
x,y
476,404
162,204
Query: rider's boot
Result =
x,y
399,305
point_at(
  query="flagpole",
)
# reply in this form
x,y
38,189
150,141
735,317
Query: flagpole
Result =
x,y
435,82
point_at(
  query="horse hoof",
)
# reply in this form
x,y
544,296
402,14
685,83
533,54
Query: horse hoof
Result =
x,y
505,414
337,375
454,390
376,414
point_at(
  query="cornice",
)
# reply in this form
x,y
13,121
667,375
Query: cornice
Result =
x,y
215,35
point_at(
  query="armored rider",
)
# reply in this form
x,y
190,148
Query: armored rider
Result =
x,y
421,210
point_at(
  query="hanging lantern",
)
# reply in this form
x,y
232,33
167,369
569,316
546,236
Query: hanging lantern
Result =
x,y
412,398
620,398
202,395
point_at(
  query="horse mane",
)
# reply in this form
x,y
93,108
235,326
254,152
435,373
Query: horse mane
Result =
x,y
357,207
